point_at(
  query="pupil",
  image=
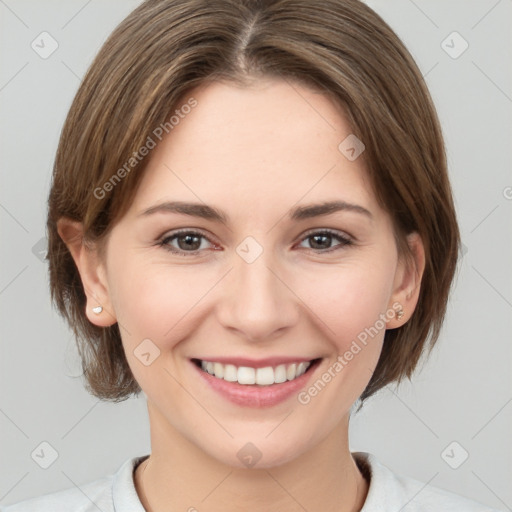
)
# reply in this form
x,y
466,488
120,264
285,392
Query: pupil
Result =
x,y
189,239
325,237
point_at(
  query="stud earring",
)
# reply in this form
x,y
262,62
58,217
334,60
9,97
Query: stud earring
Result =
x,y
399,314
97,310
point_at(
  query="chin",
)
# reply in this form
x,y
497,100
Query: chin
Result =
x,y
258,452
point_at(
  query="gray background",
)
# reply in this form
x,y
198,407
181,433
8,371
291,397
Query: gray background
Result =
x,y
464,391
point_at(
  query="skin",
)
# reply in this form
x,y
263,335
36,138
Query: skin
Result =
x,y
254,152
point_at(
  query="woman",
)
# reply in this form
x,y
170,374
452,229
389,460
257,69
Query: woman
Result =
x,y
250,220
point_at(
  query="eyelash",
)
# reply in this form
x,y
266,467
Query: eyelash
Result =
x,y
164,242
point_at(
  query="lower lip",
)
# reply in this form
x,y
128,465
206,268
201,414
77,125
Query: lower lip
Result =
x,y
254,395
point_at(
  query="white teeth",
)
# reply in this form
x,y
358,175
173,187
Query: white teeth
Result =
x,y
265,376
280,374
230,373
291,371
261,376
218,370
246,375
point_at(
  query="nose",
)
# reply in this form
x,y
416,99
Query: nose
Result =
x,y
257,301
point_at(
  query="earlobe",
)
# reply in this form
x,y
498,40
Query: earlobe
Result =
x,y
407,283
99,310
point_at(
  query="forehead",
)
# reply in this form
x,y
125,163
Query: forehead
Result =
x,y
269,144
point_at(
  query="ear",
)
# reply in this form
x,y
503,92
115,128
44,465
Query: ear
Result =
x,y
92,272
407,283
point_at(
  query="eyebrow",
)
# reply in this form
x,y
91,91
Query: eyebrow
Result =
x,y
205,211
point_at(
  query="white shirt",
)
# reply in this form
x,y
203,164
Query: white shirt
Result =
x,y
388,492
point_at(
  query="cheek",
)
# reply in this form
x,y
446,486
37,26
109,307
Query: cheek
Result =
x,y
350,306
155,302
156,309
163,303
348,298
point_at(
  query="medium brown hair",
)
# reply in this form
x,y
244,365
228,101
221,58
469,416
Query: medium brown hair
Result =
x,y
164,49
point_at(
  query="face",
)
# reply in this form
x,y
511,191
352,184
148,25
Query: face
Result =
x,y
269,284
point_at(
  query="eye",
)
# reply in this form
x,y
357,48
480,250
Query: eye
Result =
x,y
189,243
321,240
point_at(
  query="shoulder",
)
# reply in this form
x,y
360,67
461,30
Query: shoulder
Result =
x,y
110,493
91,496
392,491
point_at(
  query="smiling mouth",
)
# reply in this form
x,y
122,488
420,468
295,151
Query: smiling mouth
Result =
x,y
250,376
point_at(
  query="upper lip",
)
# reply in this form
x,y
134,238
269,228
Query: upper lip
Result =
x,y
256,363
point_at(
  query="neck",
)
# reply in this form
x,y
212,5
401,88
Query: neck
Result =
x,y
180,476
